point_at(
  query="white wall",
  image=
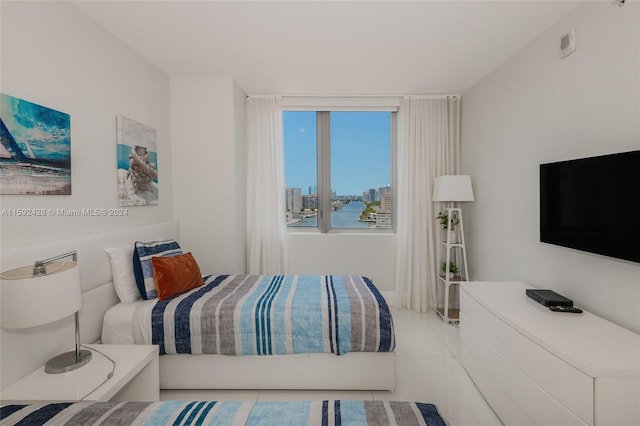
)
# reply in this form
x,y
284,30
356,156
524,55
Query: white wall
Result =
x,y
537,108
370,255
55,56
208,122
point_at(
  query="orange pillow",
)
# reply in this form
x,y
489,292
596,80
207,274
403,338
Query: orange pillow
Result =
x,y
175,274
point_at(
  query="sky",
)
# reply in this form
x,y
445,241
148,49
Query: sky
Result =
x,y
360,150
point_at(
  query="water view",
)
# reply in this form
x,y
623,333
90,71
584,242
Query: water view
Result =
x,y
345,217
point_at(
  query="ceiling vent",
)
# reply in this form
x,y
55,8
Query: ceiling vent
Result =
x,y
568,44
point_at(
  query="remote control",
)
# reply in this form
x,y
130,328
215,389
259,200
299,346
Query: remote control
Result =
x,y
570,309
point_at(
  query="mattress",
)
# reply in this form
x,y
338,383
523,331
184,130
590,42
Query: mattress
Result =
x,y
260,315
117,324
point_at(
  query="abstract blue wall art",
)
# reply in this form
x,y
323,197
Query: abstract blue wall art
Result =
x,y
137,163
35,153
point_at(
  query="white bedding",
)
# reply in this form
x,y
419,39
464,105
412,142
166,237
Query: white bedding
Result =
x,y
117,327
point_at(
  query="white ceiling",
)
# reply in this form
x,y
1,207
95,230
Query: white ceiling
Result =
x,y
330,47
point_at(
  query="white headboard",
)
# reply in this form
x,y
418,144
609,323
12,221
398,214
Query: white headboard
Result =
x,y
22,351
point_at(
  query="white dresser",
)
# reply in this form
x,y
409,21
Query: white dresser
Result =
x,y
538,367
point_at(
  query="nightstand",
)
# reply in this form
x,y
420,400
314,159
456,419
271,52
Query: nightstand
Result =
x,y
135,378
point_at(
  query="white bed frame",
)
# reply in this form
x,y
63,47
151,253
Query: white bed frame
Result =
x,y
22,351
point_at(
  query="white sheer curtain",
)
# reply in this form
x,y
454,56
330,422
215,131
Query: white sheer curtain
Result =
x,y
428,146
266,223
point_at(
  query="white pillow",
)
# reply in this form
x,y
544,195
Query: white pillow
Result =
x,y
122,269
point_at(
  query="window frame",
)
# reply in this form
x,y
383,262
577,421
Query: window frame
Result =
x,y
323,111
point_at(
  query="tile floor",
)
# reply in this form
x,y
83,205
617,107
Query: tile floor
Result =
x,y
428,370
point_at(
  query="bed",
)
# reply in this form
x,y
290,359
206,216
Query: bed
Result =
x,y
338,412
282,331
356,370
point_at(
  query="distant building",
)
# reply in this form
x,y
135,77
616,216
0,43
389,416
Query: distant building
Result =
x,y
309,202
385,203
294,200
383,220
369,195
382,191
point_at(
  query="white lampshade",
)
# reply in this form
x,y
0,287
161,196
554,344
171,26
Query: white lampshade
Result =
x,y
29,301
453,188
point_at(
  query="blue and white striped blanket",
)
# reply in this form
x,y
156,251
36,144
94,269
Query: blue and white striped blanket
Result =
x,y
270,315
299,413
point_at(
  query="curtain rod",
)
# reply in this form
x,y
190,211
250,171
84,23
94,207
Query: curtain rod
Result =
x,y
451,95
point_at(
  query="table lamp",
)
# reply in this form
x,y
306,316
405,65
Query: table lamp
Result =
x,y
43,293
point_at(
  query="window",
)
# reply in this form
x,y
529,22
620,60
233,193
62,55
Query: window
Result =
x,y
339,162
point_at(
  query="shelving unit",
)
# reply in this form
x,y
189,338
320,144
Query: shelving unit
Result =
x,y
452,250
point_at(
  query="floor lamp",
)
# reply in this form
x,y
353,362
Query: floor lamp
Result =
x,y
453,189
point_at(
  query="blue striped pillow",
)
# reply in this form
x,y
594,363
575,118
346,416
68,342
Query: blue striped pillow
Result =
x,y
142,267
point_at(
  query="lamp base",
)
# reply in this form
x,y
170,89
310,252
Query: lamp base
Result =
x,y
67,362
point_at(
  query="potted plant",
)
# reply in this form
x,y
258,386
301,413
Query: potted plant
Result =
x,y
443,218
453,269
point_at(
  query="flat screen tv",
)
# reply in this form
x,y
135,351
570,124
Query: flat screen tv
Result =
x,y
593,204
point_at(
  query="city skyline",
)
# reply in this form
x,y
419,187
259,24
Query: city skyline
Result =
x,y
360,151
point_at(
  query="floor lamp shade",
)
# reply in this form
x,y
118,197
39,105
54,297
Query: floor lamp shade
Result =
x,y
29,301
453,188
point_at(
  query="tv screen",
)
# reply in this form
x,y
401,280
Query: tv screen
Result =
x,y
593,204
